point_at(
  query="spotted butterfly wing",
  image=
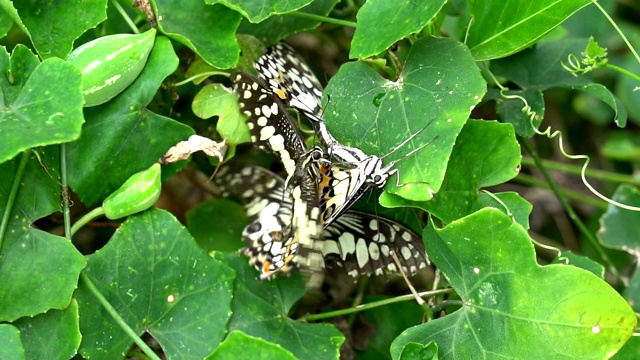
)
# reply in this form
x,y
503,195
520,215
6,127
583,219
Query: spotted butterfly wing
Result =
x,y
358,242
341,184
291,80
273,130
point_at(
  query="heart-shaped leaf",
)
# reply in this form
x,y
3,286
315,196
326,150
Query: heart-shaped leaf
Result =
x,y
511,306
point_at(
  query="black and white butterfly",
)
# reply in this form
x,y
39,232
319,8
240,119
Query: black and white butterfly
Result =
x,y
353,173
360,243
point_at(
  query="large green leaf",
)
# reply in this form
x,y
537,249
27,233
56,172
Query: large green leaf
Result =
x,y
260,309
485,154
239,345
11,348
619,230
275,28
5,23
131,137
159,281
438,87
501,28
541,68
209,30
54,25
36,265
53,335
225,232
511,306
41,103
257,11
383,22
213,100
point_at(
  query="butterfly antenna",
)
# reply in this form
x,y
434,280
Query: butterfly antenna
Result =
x,y
397,147
392,163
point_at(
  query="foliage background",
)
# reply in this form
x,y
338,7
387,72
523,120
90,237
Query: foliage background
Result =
x,y
171,274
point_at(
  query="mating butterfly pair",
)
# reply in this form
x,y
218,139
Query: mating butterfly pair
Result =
x,y
318,192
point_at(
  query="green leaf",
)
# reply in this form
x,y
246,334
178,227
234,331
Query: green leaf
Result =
x,y
438,87
5,23
11,348
132,138
239,345
540,68
214,99
53,25
260,309
35,265
502,28
278,27
53,335
622,145
619,230
383,22
160,282
415,351
626,85
517,206
512,307
257,11
632,291
47,107
209,30
225,233
629,351
486,153
583,262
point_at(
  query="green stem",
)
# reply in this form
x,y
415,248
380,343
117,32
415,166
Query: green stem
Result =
x,y
201,75
99,211
66,212
323,19
577,170
615,26
330,314
573,195
447,303
125,16
4,225
572,214
116,317
623,71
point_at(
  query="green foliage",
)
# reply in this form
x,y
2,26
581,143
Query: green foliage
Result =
x,y
74,283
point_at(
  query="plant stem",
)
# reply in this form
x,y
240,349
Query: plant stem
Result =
x,y
66,213
330,314
99,211
576,170
572,214
573,195
197,76
447,303
615,26
623,71
116,317
323,19
4,225
125,16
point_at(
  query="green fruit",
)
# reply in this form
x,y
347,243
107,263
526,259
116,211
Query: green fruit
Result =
x,y
110,64
137,194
